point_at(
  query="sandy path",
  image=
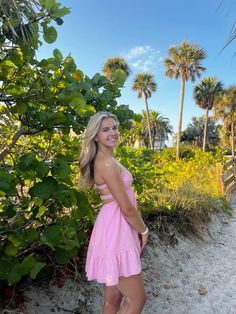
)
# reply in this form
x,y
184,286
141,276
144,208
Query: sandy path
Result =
x,y
186,268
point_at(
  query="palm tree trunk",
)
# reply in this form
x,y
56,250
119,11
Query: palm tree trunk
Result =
x,y
153,143
148,121
180,118
153,139
232,134
205,129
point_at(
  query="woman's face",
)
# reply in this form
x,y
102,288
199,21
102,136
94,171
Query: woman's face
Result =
x,y
108,133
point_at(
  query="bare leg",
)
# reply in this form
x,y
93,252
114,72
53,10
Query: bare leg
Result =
x,y
132,289
112,300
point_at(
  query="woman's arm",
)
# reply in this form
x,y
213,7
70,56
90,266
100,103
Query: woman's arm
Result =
x,y
110,173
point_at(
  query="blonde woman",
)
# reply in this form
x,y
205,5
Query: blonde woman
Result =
x,y
119,233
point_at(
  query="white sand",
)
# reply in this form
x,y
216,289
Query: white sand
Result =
x,y
186,268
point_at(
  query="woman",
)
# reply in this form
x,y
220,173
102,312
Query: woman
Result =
x,y
119,232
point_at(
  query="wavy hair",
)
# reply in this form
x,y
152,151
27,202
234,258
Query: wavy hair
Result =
x,y
89,148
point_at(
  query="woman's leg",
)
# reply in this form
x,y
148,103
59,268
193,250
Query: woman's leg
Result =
x,y
112,300
132,289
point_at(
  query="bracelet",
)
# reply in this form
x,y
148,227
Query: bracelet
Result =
x,y
144,232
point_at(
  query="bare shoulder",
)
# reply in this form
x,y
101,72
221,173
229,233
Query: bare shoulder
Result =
x,y
105,164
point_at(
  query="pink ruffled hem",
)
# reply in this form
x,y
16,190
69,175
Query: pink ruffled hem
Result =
x,y
108,269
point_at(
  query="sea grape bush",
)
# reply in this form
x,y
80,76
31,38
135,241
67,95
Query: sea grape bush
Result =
x,y
45,219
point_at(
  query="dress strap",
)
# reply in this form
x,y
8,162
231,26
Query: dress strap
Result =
x,y
101,186
106,197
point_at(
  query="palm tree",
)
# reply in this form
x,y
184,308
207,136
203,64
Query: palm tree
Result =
x,y
113,64
160,126
225,109
184,62
193,134
144,84
205,94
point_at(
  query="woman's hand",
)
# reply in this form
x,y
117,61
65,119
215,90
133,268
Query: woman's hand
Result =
x,y
144,239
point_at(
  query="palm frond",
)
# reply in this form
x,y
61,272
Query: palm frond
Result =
x,y
113,64
184,60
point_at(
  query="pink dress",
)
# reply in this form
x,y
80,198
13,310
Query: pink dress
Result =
x,y
114,247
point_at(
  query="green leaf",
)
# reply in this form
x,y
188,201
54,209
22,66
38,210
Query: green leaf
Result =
x,y
9,211
31,234
5,267
57,54
43,117
60,12
77,102
36,269
7,183
69,199
14,275
44,189
96,78
83,206
25,161
69,244
62,192
17,239
83,110
11,250
20,108
49,4
107,96
17,57
38,202
41,211
60,168
63,256
69,64
139,188
41,168
29,163
58,117
119,77
70,232
59,21
52,236
43,63
85,84
15,90
27,264
50,34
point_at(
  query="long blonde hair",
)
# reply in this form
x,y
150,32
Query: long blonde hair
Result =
x,y
89,148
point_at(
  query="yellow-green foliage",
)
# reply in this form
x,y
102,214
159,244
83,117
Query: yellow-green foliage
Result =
x,y
188,190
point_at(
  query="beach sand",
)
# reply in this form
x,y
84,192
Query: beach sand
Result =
x,y
193,277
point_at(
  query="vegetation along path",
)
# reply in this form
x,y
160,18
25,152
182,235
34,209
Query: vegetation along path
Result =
x,y
190,278
195,278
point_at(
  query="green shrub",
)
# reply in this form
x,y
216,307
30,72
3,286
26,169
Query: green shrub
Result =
x,y
186,191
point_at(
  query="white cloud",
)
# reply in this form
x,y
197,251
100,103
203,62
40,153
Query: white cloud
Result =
x,y
138,51
142,58
143,65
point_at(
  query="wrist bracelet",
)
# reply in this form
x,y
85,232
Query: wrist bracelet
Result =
x,y
144,232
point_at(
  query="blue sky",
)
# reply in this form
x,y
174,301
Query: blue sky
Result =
x,y
141,32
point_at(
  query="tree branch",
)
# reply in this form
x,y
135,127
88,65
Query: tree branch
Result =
x,y
15,138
